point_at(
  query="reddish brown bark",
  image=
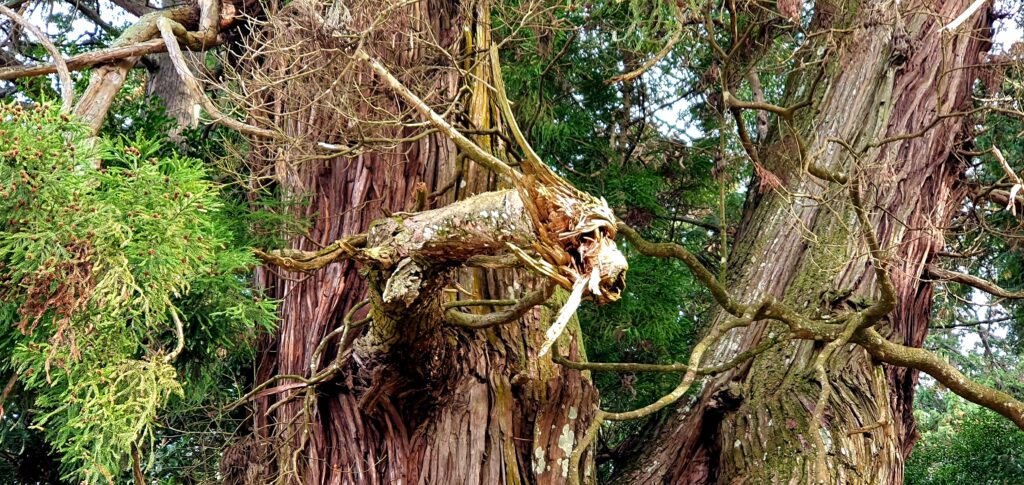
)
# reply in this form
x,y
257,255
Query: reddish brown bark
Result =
x,y
891,76
419,401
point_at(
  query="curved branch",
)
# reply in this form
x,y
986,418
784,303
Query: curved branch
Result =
x,y
296,260
927,362
887,302
170,31
477,322
7,390
671,250
974,282
670,368
649,63
601,416
67,86
734,102
179,332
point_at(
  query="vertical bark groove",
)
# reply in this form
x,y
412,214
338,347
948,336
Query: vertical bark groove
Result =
x,y
891,76
419,401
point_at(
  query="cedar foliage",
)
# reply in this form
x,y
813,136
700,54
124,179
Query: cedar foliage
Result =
x,y
105,243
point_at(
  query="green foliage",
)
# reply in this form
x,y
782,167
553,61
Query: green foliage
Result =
x,y
105,246
655,322
966,444
97,416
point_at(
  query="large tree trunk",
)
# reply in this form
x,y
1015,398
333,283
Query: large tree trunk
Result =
x,y
892,74
417,401
165,85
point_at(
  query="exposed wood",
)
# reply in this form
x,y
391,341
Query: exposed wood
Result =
x,y
67,86
87,60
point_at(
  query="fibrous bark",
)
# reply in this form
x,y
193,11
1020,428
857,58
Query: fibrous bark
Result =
x,y
884,114
418,400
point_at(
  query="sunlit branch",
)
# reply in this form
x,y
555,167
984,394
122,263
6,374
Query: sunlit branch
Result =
x,y
179,332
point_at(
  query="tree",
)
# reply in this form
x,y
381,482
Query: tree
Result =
x,y
850,142
425,328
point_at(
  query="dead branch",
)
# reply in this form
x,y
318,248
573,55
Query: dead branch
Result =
x,y
86,60
67,86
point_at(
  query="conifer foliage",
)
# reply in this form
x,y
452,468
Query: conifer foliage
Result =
x,y
112,254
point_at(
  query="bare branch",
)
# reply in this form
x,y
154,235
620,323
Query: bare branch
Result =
x,y
106,81
295,260
975,323
67,86
170,31
927,362
974,282
92,15
887,302
87,60
600,416
474,151
649,63
518,309
7,390
670,250
671,368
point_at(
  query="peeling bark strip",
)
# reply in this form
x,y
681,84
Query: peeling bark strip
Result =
x,y
885,111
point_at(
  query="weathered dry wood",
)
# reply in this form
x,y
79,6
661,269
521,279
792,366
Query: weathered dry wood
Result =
x,y
106,81
67,87
86,60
